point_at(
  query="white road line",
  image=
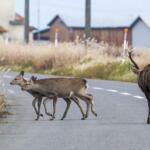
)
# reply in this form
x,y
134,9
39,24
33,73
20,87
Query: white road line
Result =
x,y
125,93
111,90
122,93
7,77
10,91
97,88
138,97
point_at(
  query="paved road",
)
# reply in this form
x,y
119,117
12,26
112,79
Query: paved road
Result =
x,y
120,125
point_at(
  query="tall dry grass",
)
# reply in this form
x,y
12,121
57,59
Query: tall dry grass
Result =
x,y
40,56
47,56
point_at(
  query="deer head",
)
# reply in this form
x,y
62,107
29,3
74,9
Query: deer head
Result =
x,y
19,79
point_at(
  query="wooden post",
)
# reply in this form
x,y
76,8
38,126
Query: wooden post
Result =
x,y
56,37
125,45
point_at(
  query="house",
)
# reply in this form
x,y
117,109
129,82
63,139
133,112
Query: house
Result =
x,y
11,23
103,29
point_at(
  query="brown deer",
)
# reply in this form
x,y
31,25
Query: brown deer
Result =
x,y
143,80
21,81
62,88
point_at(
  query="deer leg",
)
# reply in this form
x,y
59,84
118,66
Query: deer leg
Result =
x,y
92,109
68,101
148,101
148,119
75,99
92,104
87,110
33,104
39,105
45,108
54,107
86,99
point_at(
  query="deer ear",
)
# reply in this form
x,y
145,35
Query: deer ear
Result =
x,y
22,73
33,78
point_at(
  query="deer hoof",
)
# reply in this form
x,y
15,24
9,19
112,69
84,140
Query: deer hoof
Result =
x,y
36,119
41,115
82,118
49,114
95,114
148,121
52,118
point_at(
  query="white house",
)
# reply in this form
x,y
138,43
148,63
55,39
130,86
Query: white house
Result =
x,y
141,33
11,23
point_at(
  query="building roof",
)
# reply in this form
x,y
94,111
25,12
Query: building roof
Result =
x,y
101,22
2,30
19,20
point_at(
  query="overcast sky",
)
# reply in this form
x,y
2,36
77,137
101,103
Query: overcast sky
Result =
x,y
75,8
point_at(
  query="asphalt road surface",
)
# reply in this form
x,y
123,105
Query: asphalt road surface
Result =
x,y
120,125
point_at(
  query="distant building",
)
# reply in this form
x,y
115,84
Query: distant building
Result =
x,y
11,23
102,30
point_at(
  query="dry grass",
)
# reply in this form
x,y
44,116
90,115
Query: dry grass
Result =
x,y
2,104
40,56
47,56
71,57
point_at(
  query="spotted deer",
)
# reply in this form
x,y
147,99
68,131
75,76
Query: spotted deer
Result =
x,y
143,80
21,81
63,88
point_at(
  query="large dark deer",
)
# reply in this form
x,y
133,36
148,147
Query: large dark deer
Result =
x,y
143,80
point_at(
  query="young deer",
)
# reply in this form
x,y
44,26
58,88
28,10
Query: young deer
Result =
x,y
62,88
21,81
143,80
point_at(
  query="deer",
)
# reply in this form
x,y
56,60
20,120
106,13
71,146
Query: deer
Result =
x,y
21,81
143,79
62,87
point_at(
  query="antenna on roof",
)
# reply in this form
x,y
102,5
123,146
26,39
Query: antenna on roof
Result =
x,y
38,19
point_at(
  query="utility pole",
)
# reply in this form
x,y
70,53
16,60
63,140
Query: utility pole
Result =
x,y
87,19
38,19
26,23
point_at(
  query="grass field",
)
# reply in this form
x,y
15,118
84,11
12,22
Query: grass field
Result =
x,y
72,59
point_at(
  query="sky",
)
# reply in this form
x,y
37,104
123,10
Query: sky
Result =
x,y
75,9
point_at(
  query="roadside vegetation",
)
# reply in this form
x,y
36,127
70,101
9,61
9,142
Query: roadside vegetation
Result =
x,y
3,93
99,61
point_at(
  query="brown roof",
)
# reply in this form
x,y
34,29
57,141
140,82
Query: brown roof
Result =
x,y
19,18
31,28
2,30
